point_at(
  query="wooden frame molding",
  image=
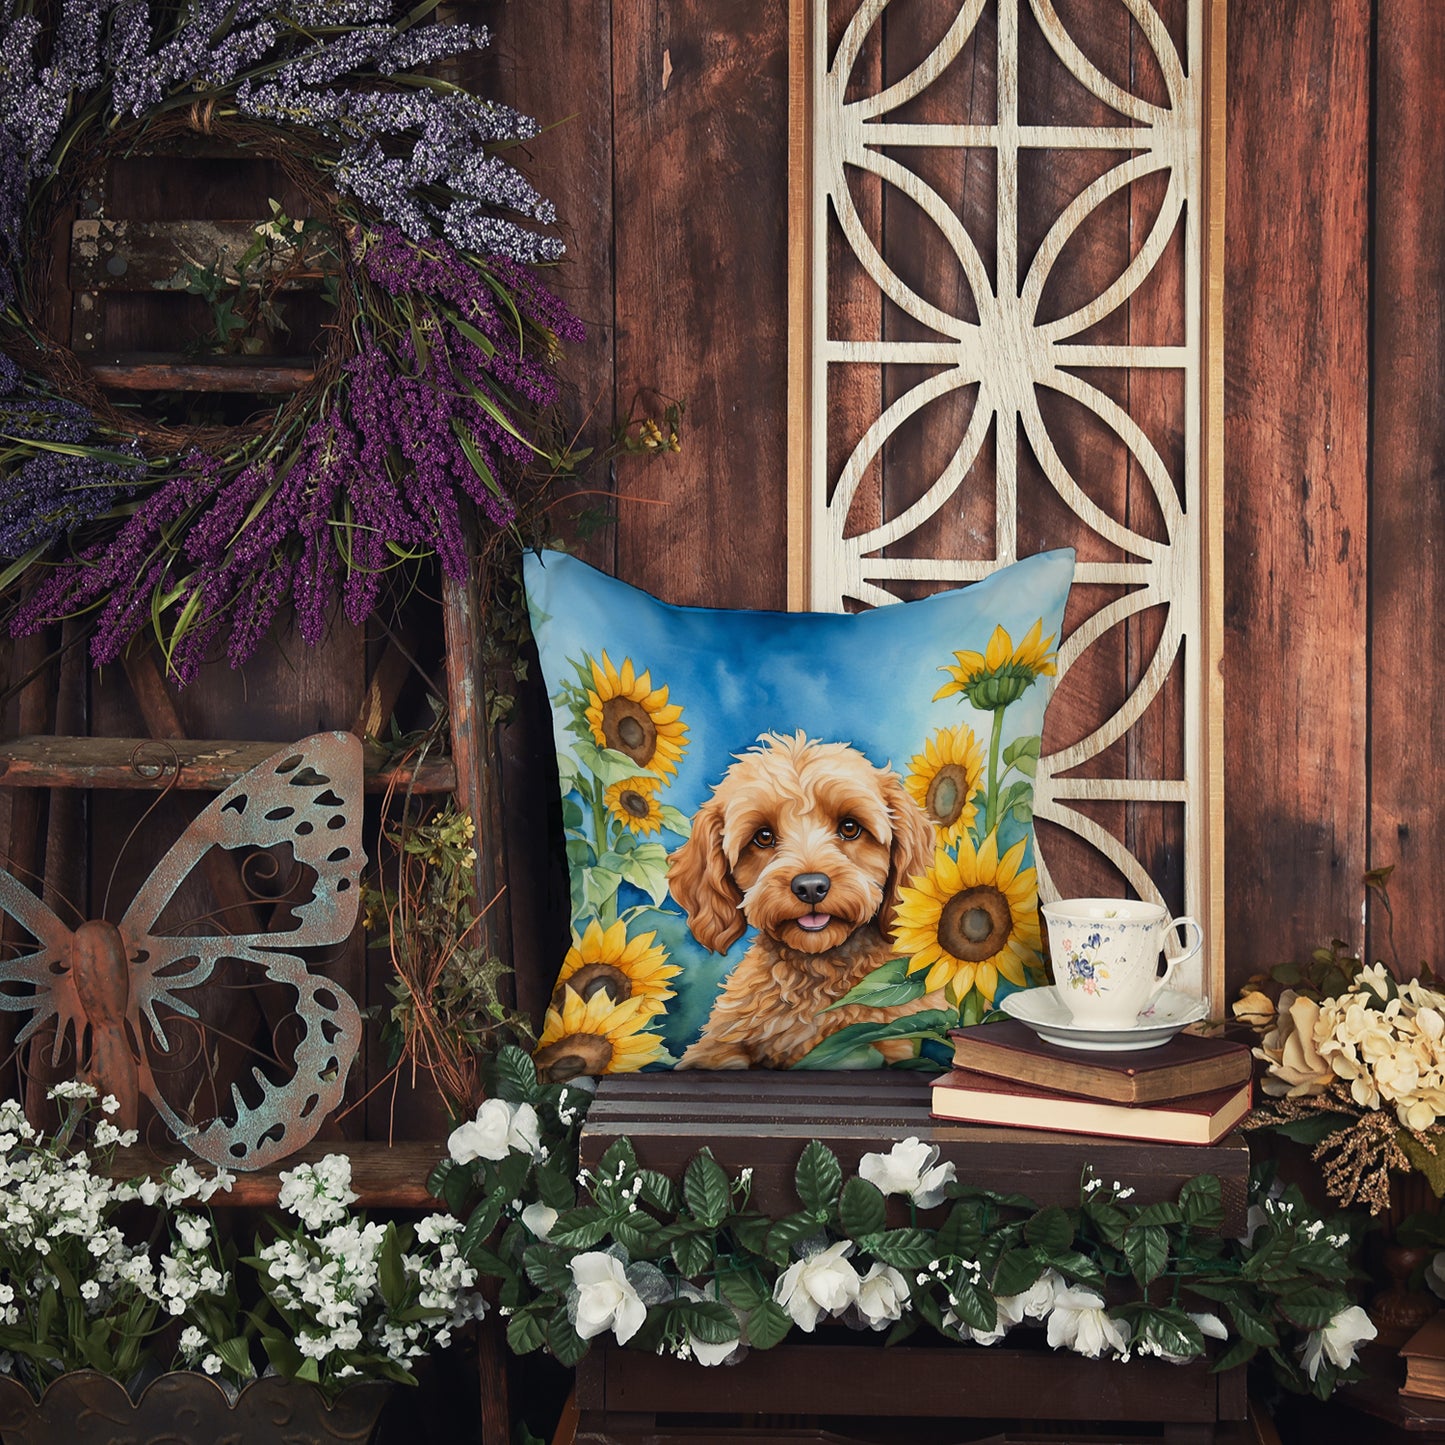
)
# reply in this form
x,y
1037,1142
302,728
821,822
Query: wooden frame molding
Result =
x,y
1137,361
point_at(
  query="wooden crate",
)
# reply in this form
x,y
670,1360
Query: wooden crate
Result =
x,y
762,1120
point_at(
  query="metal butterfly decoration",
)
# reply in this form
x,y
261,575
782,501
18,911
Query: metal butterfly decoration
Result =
x,y
116,989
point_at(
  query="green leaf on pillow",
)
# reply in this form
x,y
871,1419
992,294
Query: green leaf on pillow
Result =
x,y
848,1047
569,775
607,765
1017,795
572,815
599,886
646,868
1023,754
675,820
889,985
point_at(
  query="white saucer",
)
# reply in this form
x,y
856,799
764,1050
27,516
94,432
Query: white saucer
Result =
x,y
1042,1011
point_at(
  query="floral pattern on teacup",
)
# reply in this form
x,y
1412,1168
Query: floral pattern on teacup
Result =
x,y
1084,971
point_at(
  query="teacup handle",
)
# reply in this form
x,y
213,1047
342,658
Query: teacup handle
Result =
x,y
1170,964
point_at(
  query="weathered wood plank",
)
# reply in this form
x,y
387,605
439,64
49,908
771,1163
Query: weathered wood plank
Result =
x,y
1296,425
554,62
700,140
762,1123
915,1380
1407,514
383,1175
47,761
151,371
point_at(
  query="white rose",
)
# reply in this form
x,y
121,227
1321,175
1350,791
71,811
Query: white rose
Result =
x,y
1078,1322
605,1299
1034,1303
908,1168
498,1128
882,1296
539,1219
823,1283
1337,1341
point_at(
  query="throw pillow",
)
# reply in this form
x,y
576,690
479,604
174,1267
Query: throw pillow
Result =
x,y
794,839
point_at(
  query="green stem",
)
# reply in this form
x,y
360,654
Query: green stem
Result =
x,y
990,817
599,816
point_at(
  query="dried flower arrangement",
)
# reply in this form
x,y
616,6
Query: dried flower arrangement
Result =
x,y
426,409
1354,1065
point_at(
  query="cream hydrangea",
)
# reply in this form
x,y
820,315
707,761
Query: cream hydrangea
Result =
x,y
1386,1042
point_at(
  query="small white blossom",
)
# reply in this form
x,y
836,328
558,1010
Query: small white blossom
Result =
x,y
318,1194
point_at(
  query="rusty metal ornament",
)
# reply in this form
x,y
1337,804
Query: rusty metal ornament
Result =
x,y
110,979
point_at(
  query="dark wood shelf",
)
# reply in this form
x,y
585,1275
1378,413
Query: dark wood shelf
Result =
x,y
166,372
383,1176
206,765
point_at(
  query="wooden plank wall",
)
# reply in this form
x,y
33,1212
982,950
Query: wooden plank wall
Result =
x,y
671,173
666,153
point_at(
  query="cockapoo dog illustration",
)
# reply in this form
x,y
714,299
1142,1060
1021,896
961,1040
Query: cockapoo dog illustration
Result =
x,y
808,843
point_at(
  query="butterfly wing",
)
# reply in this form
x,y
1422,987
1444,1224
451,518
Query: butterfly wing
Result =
x,y
303,803
38,981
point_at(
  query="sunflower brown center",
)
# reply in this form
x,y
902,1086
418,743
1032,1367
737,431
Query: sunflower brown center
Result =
x,y
632,801
574,1055
947,794
975,924
593,978
628,728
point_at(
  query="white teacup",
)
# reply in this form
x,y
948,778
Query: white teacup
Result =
x,y
1105,954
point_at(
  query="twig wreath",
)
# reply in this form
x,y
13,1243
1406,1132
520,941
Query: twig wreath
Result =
x,y
424,412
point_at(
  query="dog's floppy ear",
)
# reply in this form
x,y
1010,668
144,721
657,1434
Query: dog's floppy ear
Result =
x,y
914,842
699,879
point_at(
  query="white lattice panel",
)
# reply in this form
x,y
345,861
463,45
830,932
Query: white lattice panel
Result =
x,y
860,131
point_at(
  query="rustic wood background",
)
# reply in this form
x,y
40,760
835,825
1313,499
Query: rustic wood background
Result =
x,y
669,164
666,153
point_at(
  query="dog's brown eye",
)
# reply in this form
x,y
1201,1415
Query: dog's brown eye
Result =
x,y
849,829
764,838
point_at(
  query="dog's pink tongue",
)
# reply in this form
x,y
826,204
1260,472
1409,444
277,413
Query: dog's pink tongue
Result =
x,y
814,921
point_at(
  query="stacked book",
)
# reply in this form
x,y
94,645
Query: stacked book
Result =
x,y
1190,1090
1424,1356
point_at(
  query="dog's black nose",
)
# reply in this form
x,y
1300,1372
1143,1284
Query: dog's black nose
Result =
x,y
812,887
